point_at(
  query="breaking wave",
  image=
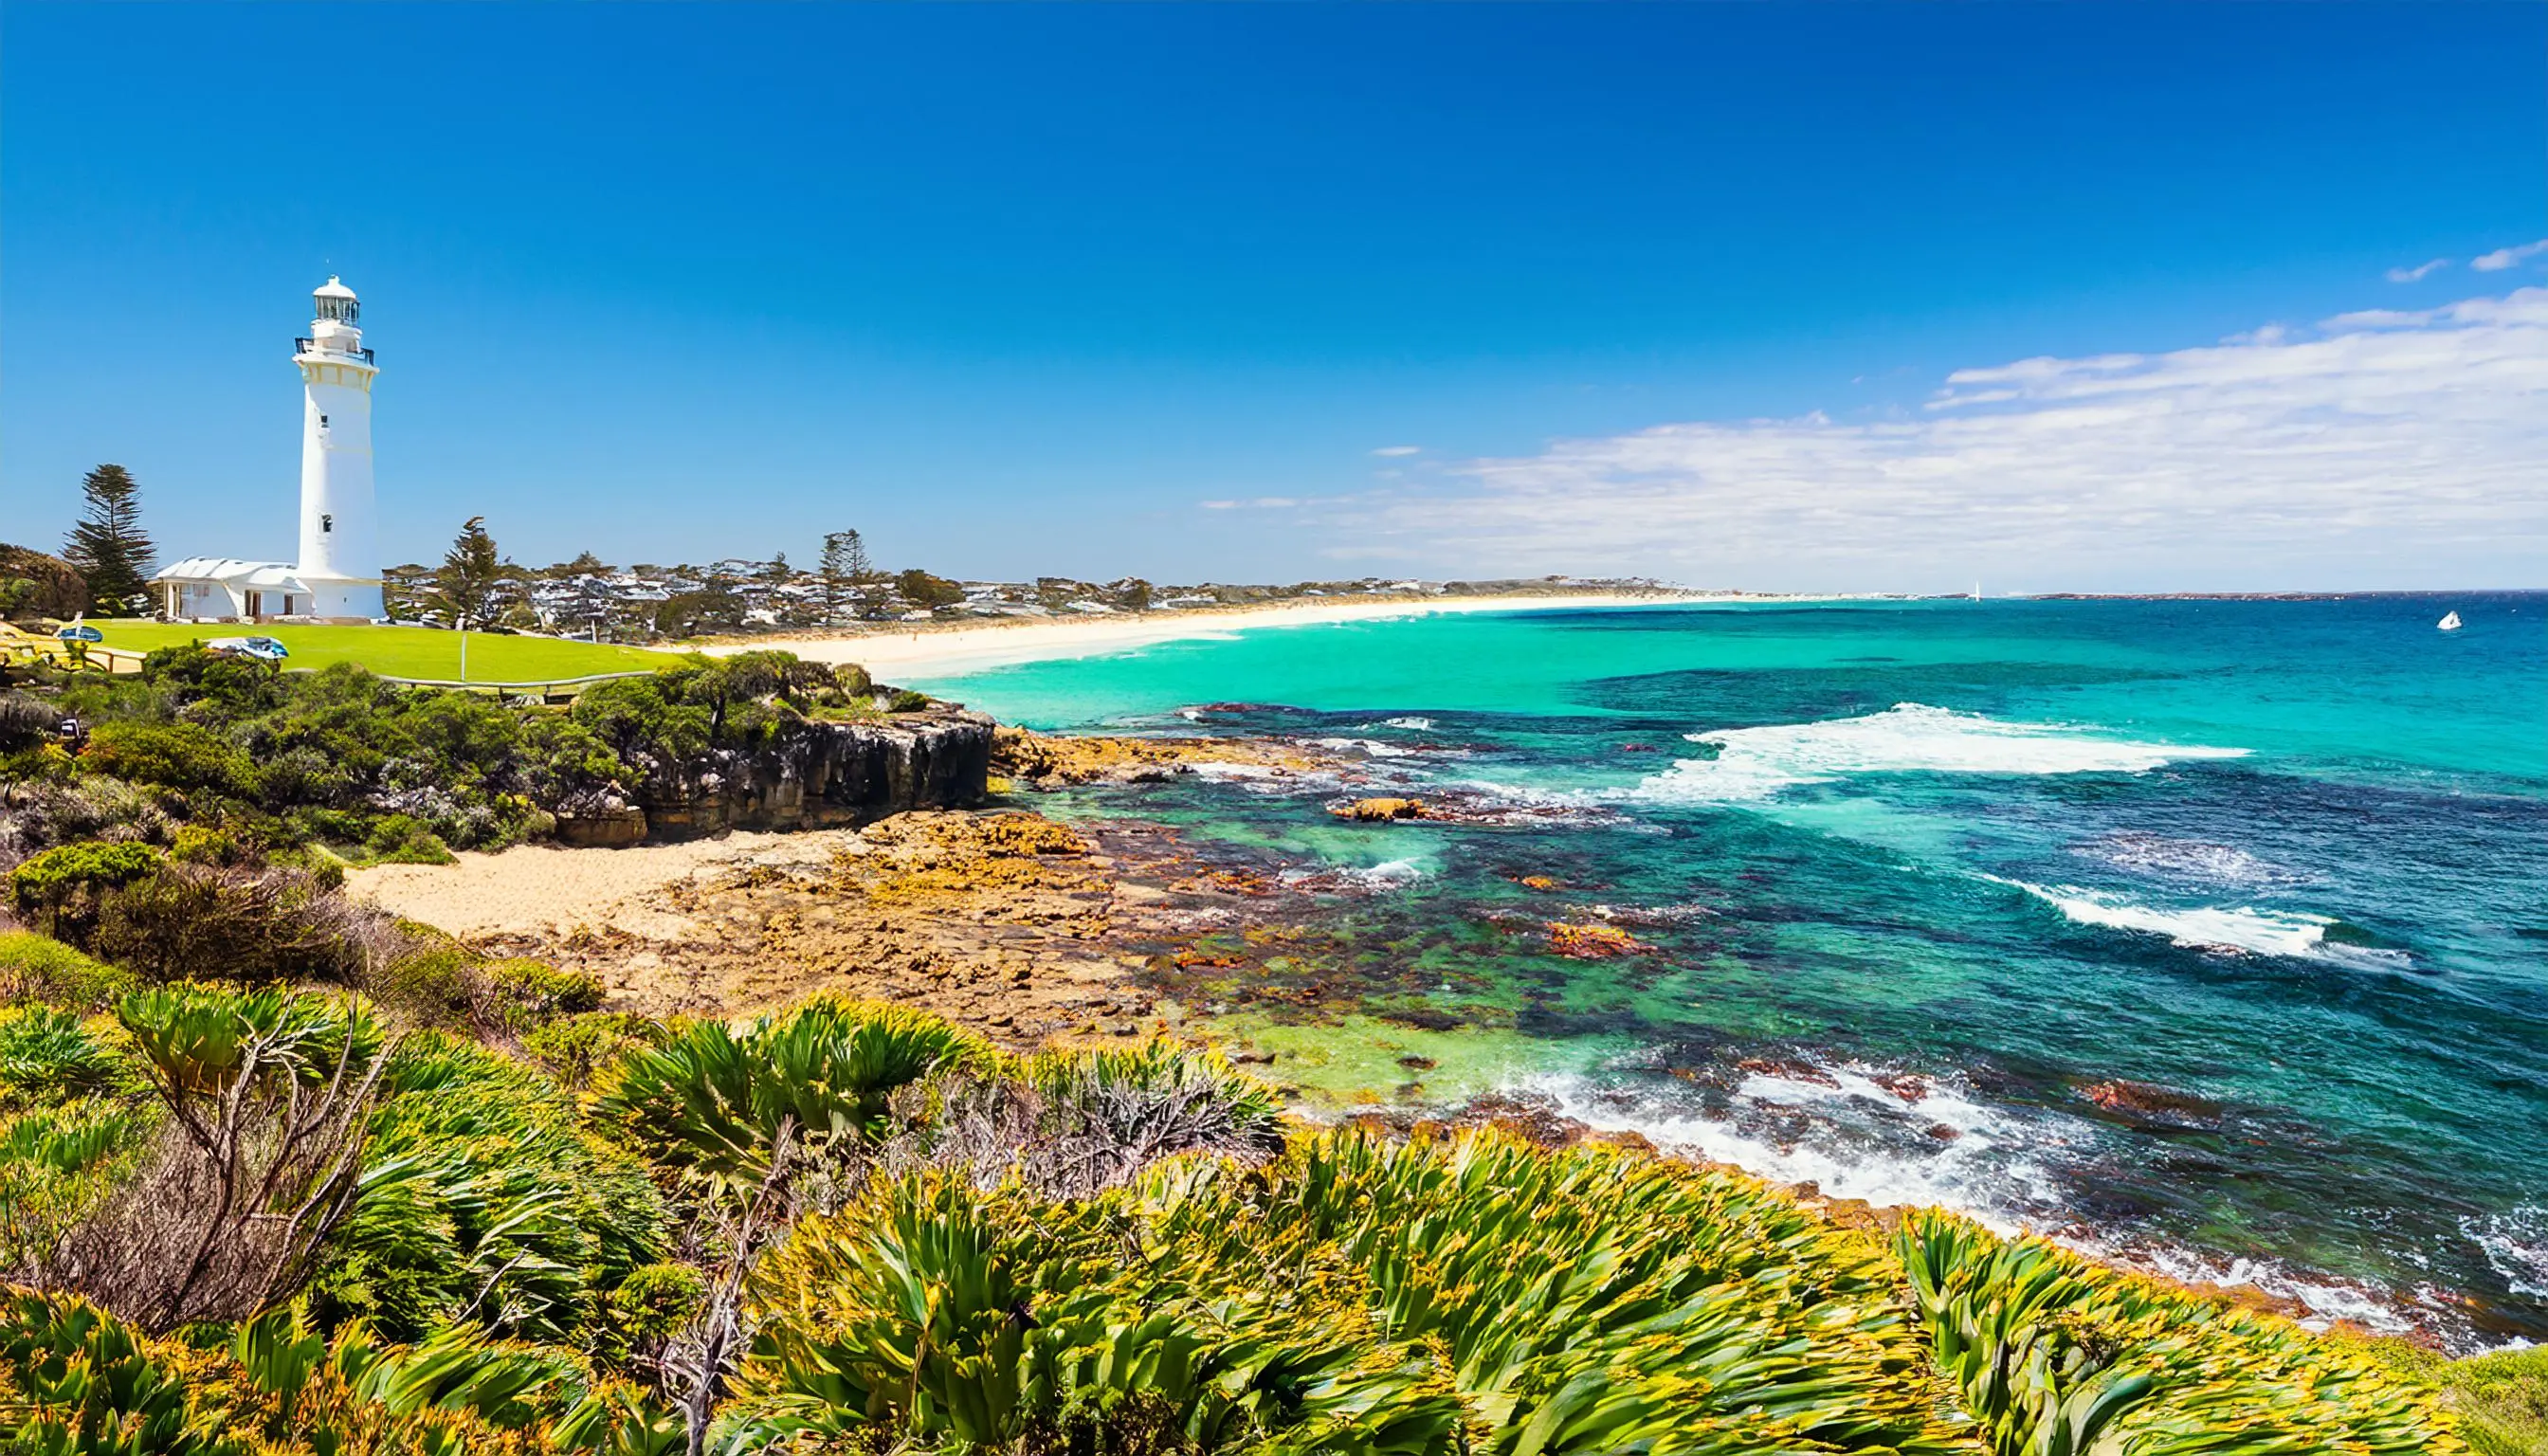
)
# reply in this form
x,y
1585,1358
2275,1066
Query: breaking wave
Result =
x,y
2516,1245
2328,1299
1867,1140
1910,737
2240,929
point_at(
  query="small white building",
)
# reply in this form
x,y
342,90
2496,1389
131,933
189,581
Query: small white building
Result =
x,y
338,578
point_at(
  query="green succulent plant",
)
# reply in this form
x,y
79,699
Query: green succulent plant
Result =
x,y
2056,1357
711,1102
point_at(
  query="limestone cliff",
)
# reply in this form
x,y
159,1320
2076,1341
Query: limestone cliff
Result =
x,y
811,774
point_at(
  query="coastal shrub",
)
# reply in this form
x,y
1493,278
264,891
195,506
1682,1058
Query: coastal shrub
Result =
x,y
712,1103
483,1201
649,1309
574,1049
233,683
35,967
400,839
247,1167
930,1316
2052,1354
184,756
61,890
38,813
1465,1295
2501,1397
535,993
197,922
81,1381
26,722
640,722
435,980
204,844
851,679
906,700
433,983
59,1163
1072,1122
330,755
49,1056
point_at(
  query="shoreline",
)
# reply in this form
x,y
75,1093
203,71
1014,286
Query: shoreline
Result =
x,y
1059,936
941,650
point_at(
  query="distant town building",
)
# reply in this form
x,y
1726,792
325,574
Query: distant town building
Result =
x,y
338,576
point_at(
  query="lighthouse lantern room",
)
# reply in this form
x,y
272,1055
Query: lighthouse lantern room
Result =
x,y
338,576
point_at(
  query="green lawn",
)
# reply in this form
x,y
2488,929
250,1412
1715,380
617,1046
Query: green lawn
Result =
x,y
406,652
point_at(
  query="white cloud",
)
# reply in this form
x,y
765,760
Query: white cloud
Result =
x,y
2416,273
2378,447
2504,257
1397,450
1260,502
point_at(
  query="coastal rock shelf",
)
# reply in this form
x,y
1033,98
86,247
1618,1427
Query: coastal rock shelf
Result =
x,y
814,774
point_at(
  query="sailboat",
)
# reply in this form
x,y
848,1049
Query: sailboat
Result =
x,y
2450,622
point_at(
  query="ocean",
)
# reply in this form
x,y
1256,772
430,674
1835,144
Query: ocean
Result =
x,y
2212,935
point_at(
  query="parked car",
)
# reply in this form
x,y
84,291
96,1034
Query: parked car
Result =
x,y
263,649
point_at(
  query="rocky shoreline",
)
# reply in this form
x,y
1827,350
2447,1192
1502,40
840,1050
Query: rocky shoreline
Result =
x,y
1034,933
816,773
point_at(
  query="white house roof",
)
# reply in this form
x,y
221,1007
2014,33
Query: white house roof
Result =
x,y
234,572
333,288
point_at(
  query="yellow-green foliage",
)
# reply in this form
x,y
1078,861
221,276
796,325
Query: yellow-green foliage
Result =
x,y
573,1050
70,1125
36,968
73,1379
2056,1357
933,1315
2500,1399
1427,1297
712,1101
438,982
482,1201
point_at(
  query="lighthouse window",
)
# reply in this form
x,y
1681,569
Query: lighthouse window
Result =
x,y
322,422
326,523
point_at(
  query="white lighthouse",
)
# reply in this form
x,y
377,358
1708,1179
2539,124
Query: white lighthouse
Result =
x,y
338,575
340,561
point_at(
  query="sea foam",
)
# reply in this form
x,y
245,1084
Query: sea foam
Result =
x,y
2241,929
2184,858
1910,737
2516,1244
1876,1147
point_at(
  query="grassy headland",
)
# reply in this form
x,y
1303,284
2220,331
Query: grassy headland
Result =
x,y
407,652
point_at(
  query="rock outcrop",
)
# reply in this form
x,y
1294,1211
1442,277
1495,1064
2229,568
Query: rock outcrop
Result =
x,y
816,773
1380,811
1047,759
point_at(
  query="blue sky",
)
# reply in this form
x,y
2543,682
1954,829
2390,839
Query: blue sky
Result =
x,y
1109,289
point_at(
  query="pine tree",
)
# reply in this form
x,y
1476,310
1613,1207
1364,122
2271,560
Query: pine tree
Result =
x,y
846,569
465,587
108,546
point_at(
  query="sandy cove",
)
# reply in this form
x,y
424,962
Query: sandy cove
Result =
x,y
931,650
1002,921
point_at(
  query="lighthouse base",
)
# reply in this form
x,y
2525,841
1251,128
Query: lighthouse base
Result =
x,y
347,600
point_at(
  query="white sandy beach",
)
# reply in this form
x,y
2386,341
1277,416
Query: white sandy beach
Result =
x,y
934,652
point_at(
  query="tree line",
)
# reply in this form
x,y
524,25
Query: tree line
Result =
x,y
476,587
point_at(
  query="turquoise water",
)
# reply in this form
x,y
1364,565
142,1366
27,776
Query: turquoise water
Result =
x,y
2280,865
